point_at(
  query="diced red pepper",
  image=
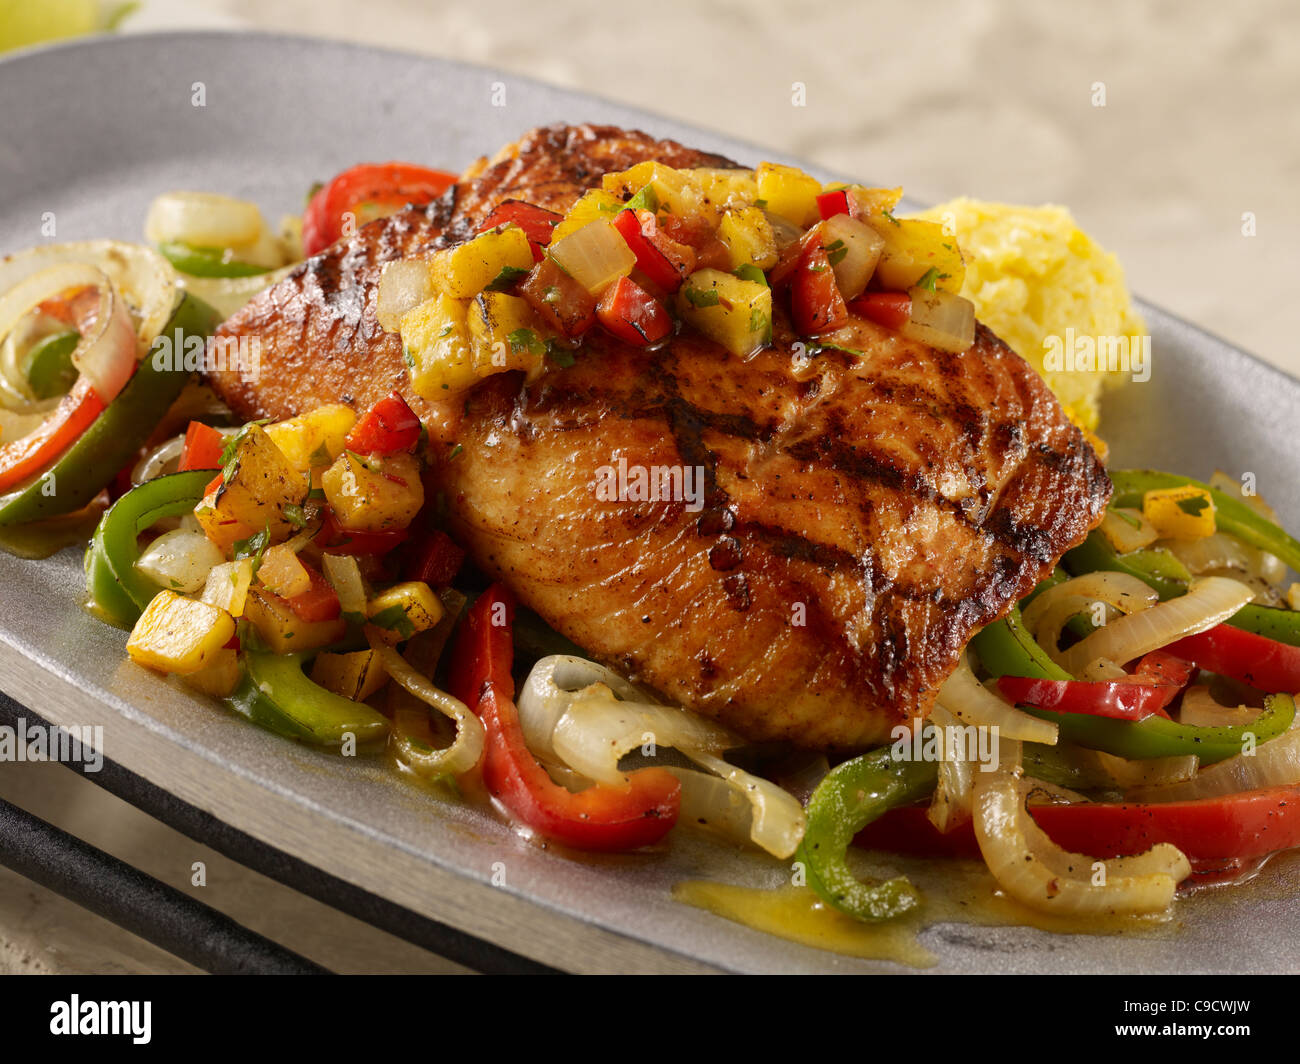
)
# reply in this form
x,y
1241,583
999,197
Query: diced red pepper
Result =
x,y
815,299
602,817
367,192
339,540
320,602
434,558
632,314
566,304
214,484
893,310
387,427
537,223
837,201
203,447
663,260
1253,659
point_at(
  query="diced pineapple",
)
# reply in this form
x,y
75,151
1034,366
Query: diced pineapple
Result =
x,y
661,188
725,189
179,634
875,202
374,494
594,204
749,238
789,193
356,676
228,584
435,339
283,573
404,609
312,440
729,310
503,334
914,247
284,631
220,677
464,271
258,485
1180,513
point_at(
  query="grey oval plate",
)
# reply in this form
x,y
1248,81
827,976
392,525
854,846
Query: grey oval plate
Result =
x,y
92,131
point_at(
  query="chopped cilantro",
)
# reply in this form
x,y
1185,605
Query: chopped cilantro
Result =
x,y
526,340
701,297
816,347
929,278
446,331
1131,519
320,456
889,214
295,516
645,200
761,204
761,323
507,278
552,294
835,252
394,618
749,272
559,354
455,451
254,546
1193,505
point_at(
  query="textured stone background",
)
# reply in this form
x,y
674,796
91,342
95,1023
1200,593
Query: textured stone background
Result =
x,y
990,98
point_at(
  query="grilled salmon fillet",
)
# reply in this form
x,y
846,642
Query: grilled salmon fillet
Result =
x,y
798,545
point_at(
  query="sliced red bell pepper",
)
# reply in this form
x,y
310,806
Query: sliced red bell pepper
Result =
x,y
1156,683
339,540
566,304
1253,659
366,192
632,314
28,455
837,201
387,427
203,448
893,310
602,817
1207,830
815,299
662,259
537,223
433,558
320,602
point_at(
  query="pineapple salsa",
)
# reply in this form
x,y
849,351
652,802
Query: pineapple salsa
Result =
x,y
655,250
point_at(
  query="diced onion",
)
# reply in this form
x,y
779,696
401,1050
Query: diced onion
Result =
x,y
344,576
180,560
1209,601
1275,763
404,285
970,702
595,255
466,749
940,319
1035,871
855,261
202,220
156,462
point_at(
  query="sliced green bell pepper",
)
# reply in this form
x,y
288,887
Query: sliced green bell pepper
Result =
x,y
48,365
115,435
117,590
276,694
1157,568
206,262
847,800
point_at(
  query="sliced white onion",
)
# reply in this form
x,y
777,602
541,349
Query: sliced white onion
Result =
x,y
1123,592
1200,709
226,295
404,285
970,702
1038,873
1209,601
180,560
1150,772
595,255
344,576
855,261
1275,763
202,220
156,462
951,804
1128,530
466,749
592,727
940,319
